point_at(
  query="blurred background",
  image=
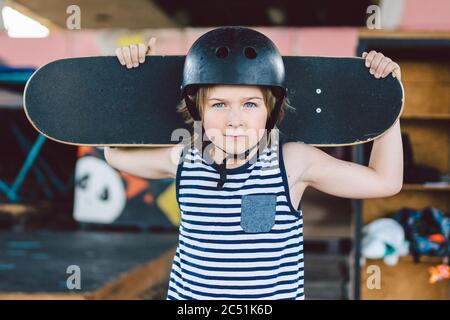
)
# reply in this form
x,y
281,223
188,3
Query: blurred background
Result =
x,y
72,227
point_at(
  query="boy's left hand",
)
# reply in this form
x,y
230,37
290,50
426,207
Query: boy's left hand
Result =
x,y
380,66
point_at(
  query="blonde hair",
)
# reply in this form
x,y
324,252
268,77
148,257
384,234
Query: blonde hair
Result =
x,y
199,100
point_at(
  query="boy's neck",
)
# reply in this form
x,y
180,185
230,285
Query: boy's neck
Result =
x,y
218,155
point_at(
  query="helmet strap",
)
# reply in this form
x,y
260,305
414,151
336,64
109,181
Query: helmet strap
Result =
x,y
222,166
274,115
191,108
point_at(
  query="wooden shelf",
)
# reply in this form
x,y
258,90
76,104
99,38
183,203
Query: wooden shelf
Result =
x,y
425,117
395,34
421,187
406,280
423,57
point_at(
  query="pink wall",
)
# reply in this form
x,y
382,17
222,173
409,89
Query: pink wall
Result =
x,y
39,51
426,15
290,41
417,15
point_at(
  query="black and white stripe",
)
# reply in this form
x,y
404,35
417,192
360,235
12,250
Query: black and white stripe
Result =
x,y
215,257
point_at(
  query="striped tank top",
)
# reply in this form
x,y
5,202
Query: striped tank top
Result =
x,y
244,241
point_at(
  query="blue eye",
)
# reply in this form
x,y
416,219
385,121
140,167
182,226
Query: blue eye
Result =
x,y
216,104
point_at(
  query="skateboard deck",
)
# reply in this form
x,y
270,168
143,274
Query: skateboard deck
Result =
x,y
96,101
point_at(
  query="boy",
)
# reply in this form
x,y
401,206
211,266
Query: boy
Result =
x,y
241,231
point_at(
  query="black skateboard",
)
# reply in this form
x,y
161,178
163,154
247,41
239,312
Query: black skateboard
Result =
x,y
96,101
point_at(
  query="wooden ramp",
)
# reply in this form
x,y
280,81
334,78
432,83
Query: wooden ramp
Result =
x,y
113,265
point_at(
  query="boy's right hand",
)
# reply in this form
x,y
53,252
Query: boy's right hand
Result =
x,y
134,54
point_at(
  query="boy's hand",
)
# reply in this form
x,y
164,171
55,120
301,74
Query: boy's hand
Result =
x,y
134,54
381,66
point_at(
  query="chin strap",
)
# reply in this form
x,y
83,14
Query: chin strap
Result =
x,y
222,166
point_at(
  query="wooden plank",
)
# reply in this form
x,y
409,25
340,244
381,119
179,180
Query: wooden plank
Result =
x,y
421,187
427,98
404,34
406,280
37,261
42,296
424,71
148,281
419,116
385,207
17,209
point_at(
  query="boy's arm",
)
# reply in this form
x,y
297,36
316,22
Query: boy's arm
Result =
x,y
145,162
383,177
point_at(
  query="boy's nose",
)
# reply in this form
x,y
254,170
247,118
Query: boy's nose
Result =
x,y
234,123
234,116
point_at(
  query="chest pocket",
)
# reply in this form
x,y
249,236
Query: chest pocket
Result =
x,y
258,212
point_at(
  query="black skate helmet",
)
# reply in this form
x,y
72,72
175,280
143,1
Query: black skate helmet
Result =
x,y
234,55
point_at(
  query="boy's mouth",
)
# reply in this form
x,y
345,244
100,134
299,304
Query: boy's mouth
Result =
x,y
235,137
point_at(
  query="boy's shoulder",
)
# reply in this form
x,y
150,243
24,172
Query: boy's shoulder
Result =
x,y
295,158
293,149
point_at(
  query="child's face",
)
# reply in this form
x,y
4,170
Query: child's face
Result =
x,y
235,110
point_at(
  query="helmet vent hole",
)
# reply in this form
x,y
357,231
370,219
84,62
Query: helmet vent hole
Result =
x,y
250,53
222,52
